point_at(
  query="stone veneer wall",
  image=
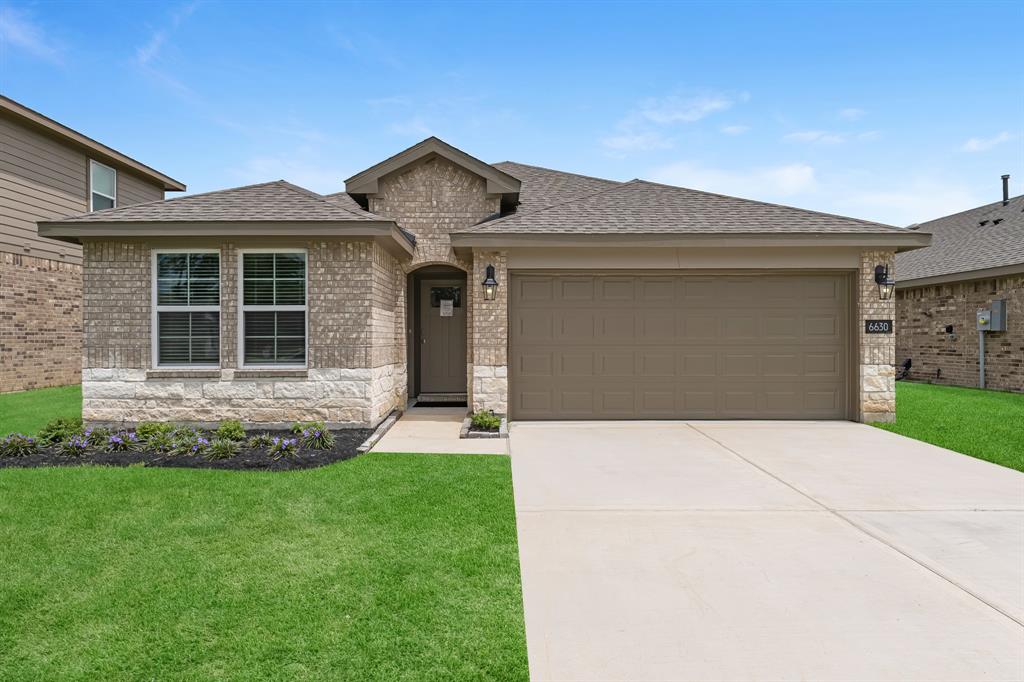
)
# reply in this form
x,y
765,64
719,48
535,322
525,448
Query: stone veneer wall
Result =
x,y
350,380
490,336
40,322
877,395
922,314
433,198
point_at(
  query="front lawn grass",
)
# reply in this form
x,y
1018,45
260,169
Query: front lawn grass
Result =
x,y
28,411
385,567
982,424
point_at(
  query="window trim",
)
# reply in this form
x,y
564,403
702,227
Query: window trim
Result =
x,y
156,309
242,307
93,162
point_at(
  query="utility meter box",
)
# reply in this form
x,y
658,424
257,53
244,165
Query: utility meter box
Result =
x,y
984,320
998,322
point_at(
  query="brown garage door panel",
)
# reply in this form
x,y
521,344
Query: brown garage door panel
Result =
x,y
678,346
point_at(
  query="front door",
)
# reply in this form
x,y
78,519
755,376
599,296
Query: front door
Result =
x,y
442,311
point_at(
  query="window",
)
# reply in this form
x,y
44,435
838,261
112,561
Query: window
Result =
x,y
102,186
187,310
274,308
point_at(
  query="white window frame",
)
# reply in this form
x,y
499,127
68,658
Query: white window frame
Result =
x,y
157,309
243,308
92,190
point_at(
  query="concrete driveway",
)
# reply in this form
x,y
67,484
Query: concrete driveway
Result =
x,y
765,551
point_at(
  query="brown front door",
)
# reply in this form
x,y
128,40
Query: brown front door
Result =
x,y
442,313
679,346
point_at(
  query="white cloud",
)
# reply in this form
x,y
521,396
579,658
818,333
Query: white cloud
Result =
x,y
816,137
983,144
918,200
851,114
18,30
150,50
734,129
642,129
765,183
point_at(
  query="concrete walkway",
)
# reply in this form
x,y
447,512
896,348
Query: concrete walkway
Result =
x,y
436,430
765,551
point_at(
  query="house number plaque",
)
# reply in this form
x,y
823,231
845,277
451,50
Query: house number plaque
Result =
x,y
878,326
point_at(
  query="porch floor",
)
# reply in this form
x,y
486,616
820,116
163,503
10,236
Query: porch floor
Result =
x,y
436,430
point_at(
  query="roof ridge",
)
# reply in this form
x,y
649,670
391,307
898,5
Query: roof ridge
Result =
x,y
513,216
323,198
180,198
561,172
769,203
993,205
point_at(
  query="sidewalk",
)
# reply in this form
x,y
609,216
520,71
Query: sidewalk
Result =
x,y
436,430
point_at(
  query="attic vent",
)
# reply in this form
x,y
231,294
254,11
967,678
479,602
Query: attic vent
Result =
x,y
983,223
997,221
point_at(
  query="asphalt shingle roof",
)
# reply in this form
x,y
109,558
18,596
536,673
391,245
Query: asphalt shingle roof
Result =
x,y
542,187
641,207
990,236
276,201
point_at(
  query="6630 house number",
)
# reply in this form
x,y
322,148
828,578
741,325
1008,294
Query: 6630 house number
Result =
x,y
878,326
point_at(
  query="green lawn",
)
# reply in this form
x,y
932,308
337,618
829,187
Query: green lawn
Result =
x,y
982,424
29,411
384,567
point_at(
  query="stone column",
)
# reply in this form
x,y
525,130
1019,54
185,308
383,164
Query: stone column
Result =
x,y
877,394
490,334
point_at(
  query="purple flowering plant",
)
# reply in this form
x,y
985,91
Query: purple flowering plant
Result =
x,y
122,441
283,447
75,446
18,445
317,438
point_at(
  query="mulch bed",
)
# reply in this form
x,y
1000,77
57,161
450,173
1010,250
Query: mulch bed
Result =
x,y
346,441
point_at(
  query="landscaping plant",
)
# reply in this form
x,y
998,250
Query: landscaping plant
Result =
x,y
147,430
260,440
122,441
221,448
74,446
59,429
299,427
317,439
283,447
191,444
486,420
231,429
160,441
97,436
18,445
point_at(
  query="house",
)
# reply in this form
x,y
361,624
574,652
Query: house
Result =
x,y
976,257
49,171
530,292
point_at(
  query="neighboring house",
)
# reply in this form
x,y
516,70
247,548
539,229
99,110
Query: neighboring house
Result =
x,y
526,291
49,171
976,256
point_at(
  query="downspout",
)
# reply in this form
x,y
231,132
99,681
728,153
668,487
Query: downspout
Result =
x,y
981,358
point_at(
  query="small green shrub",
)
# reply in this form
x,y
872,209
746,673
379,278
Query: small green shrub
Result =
x,y
231,429
299,427
159,441
486,420
283,447
18,445
122,441
146,430
221,448
317,439
191,443
258,441
59,429
74,446
97,436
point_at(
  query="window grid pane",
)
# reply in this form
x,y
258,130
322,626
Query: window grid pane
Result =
x,y
274,280
188,280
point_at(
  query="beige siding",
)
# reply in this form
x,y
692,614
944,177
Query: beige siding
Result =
x,y
42,178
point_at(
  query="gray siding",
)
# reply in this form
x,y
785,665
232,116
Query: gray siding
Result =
x,y
42,178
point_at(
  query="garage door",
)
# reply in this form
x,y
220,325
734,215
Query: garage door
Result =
x,y
679,346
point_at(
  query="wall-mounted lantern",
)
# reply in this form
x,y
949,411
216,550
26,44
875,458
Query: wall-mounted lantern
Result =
x,y
886,284
490,284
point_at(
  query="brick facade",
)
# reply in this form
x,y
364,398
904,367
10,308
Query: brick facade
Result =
x,y
923,313
489,390
40,322
877,376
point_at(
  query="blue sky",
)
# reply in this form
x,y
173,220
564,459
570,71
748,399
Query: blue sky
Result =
x,y
892,112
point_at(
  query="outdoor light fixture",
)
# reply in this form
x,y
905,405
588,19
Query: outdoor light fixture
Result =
x,y
886,284
490,284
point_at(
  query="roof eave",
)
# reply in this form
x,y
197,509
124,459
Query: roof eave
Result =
x,y
94,149
385,233
965,276
464,242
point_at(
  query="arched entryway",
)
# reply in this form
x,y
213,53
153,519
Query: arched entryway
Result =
x,y
438,312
